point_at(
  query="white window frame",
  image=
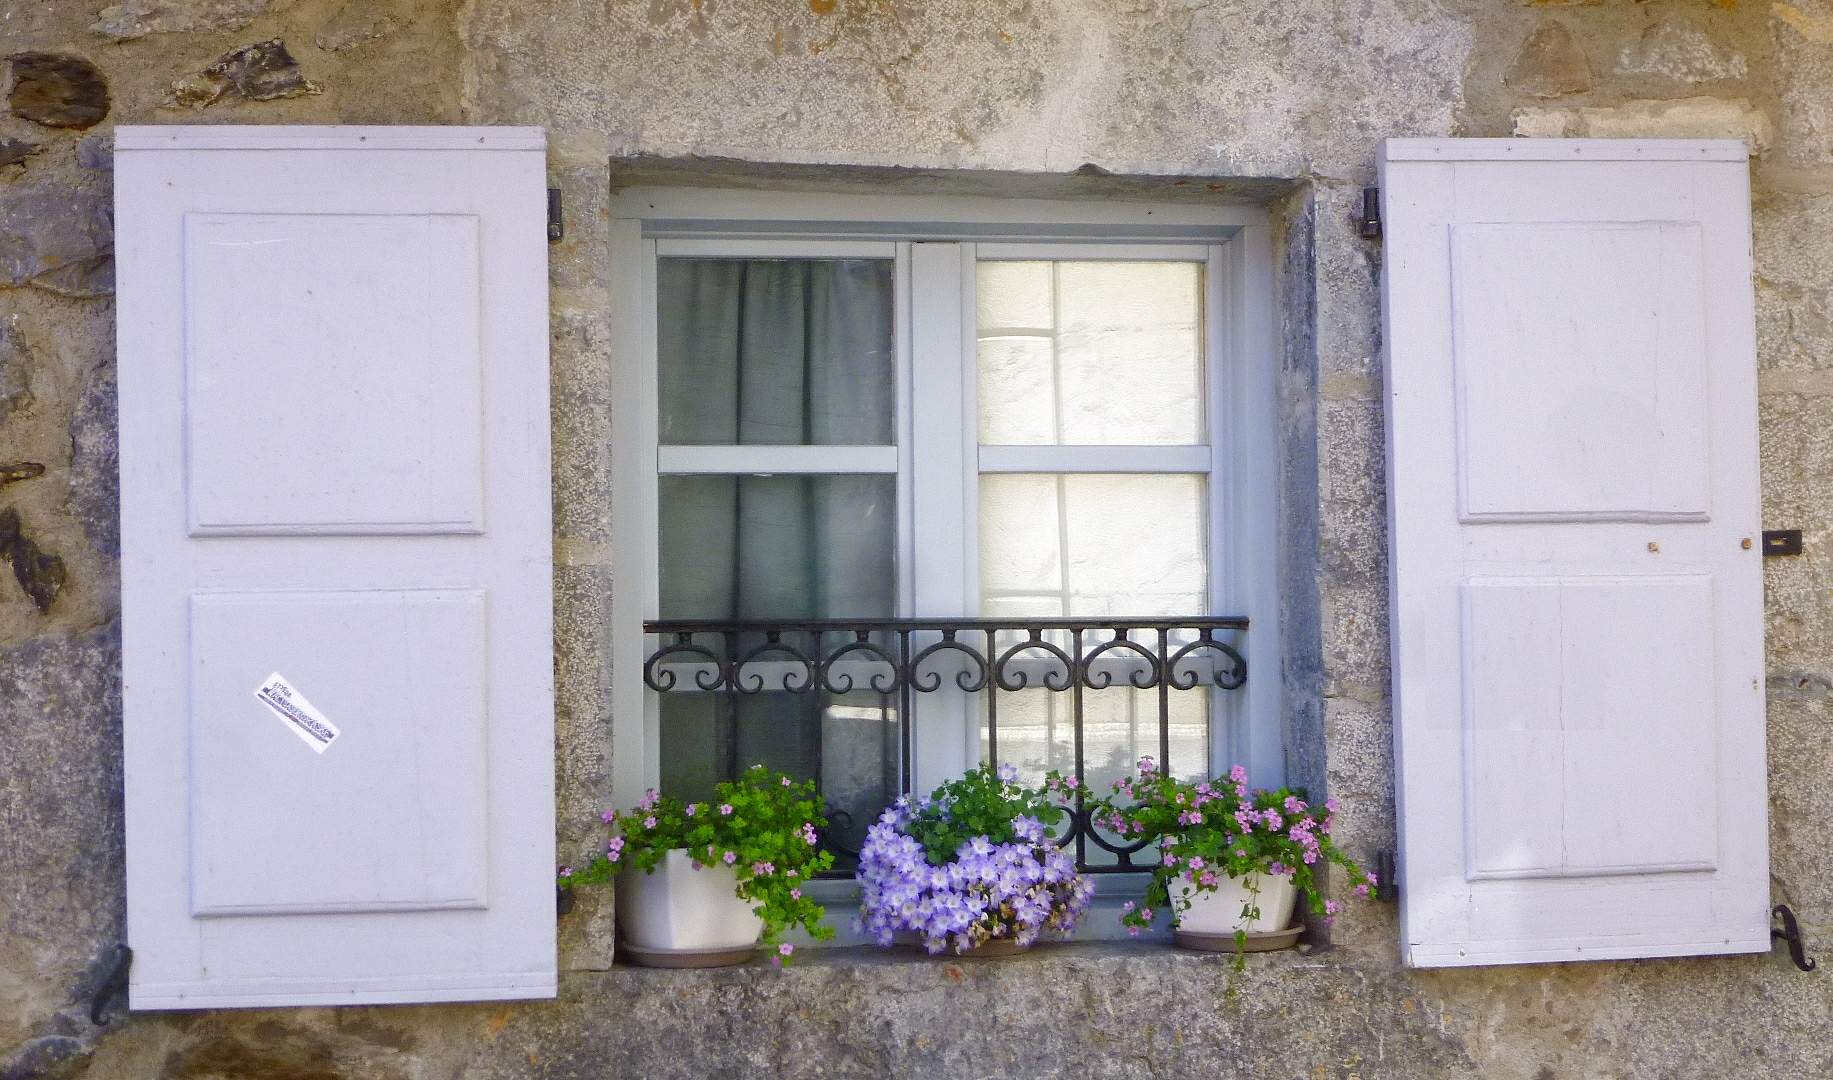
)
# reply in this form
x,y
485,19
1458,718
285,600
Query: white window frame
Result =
x,y
935,242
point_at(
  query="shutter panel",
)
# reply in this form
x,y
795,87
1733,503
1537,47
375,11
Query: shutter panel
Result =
x,y
1576,566
335,474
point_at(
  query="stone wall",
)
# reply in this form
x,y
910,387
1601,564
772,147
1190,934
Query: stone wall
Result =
x,y
1290,90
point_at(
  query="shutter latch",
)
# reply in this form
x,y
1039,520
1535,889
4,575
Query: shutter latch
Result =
x,y
1791,933
1371,213
556,228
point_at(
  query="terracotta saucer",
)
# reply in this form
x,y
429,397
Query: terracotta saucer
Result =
x,y
1269,942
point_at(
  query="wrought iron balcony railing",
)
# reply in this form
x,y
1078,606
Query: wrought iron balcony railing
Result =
x,y
902,658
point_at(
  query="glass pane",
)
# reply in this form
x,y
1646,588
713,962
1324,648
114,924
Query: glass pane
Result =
x,y
1071,544
1093,544
793,352
1090,353
781,547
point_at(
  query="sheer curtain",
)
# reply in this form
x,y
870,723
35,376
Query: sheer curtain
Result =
x,y
778,352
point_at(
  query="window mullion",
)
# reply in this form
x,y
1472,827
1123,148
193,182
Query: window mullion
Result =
x,y
946,740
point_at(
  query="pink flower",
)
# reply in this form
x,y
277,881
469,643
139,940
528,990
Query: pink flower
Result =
x,y
608,816
1294,805
649,822
731,857
795,894
1362,890
1196,862
1331,805
785,949
1209,878
1128,906
692,809
566,871
725,809
785,781
1331,907
1370,875
1238,774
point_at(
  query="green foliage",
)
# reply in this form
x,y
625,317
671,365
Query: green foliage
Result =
x,y
763,826
986,802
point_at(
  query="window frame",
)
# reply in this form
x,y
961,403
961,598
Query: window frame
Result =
x,y
935,242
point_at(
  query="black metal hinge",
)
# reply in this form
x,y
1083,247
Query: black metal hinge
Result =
x,y
1371,213
114,984
1790,931
1387,886
556,228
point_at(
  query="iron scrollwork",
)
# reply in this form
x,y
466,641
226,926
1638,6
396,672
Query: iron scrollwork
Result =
x,y
900,658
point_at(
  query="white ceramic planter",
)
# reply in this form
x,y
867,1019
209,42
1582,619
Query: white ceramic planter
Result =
x,y
1219,912
678,908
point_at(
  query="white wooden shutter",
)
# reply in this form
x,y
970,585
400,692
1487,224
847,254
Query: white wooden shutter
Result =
x,y
334,468
1573,524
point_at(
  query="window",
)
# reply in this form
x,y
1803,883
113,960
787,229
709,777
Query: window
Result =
x,y
1035,410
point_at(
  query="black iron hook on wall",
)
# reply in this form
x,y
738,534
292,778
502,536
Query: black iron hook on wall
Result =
x,y
1790,931
113,985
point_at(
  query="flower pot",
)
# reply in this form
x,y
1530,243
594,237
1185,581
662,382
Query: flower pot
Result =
x,y
678,916
1219,912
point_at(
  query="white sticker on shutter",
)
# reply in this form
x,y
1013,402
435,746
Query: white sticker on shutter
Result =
x,y
297,713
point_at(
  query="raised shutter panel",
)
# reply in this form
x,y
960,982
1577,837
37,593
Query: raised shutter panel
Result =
x,y
335,470
1576,558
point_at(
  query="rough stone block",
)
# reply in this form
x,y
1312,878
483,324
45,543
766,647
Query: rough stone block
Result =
x,y
1682,118
1803,35
57,238
138,18
15,151
358,22
259,72
57,90
1551,63
1677,49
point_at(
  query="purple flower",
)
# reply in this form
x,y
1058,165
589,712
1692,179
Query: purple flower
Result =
x,y
649,822
692,808
725,809
731,857
1007,773
566,871
785,949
